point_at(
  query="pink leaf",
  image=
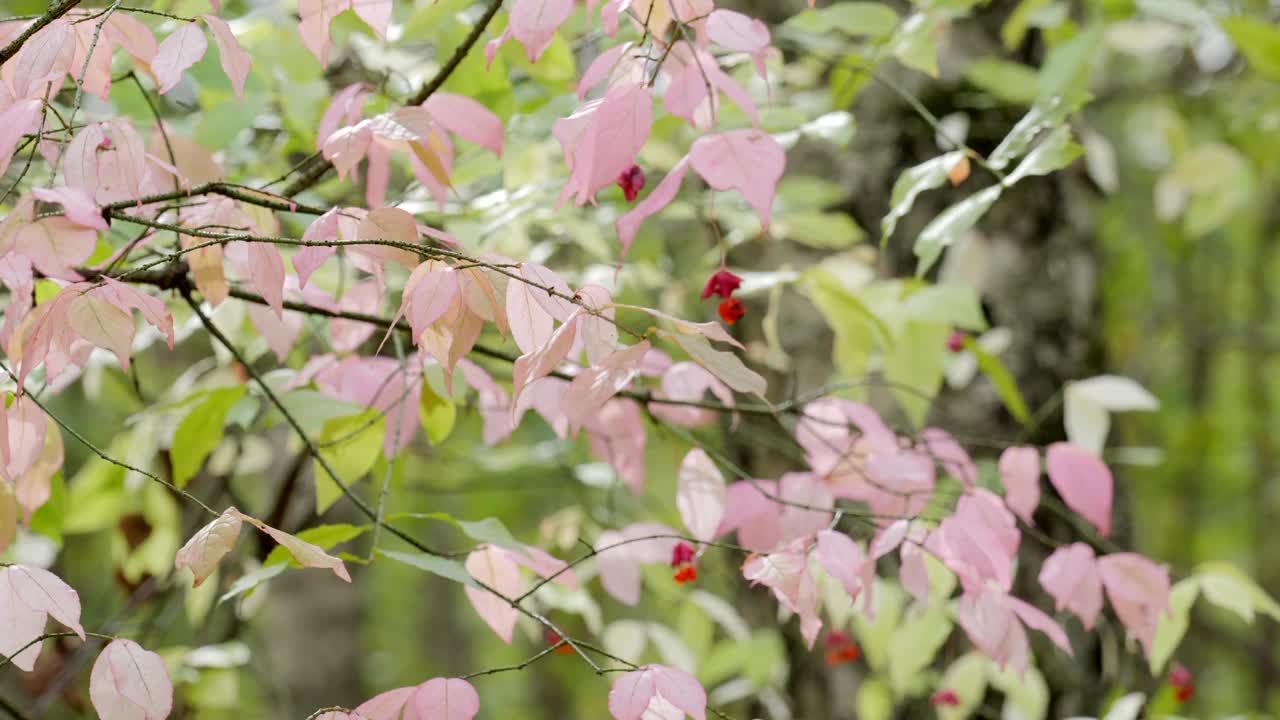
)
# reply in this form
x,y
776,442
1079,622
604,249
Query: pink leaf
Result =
x,y
1138,590
347,335
618,436
387,705
978,542
134,36
377,174
346,147
948,454
209,545
786,573
619,569
26,426
531,324
77,205
467,118
1083,481
21,118
44,58
377,13
602,139
749,161
130,683
1035,619
534,23
535,365
542,278
1020,474
599,334
495,407
305,553
700,494
235,61
601,67
344,109
182,49
546,565
19,625
266,269
689,381
495,568
632,692
593,387
844,560
56,245
629,224
311,257
740,33
1070,576
443,699
45,592
994,628
754,515
316,15
109,161
280,332
102,324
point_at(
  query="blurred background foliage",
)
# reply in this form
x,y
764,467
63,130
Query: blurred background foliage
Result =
x,y
1151,255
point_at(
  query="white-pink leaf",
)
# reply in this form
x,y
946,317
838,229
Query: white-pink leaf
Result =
x,y
311,257
617,436
19,625
305,553
495,407
543,279
632,692
44,58
25,425
602,139
495,568
601,67
619,569
1138,590
182,49
536,365
593,387
749,161
235,61
1083,481
387,705
531,324
994,628
280,332
56,246
741,33
21,118
1070,576
45,592
377,13
132,35
599,334
700,494
316,15
344,109
466,118
443,699
102,324
534,23
1020,473
209,545
950,456
130,683
688,381
127,297
629,224
266,269
1035,619
844,560
546,565
346,147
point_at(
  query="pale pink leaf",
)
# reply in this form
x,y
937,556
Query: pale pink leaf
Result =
x,y
629,224
617,435
1138,590
495,568
127,297
599,333
56,246
45,592
92,61
130,683
182,49
134,36
305,553
593,387
235,61
533,366
77,205
102,324
209,545
280,332
495,407
26,426
633,692
754,515
1070,576
21,118
681,690
994,628
466,118
688,381
44,58
602,138
700,494
544,280
346,147
311,257
1083,481
266,269
950,456
630,695
443,699
344,109
1020,473
531,324
749,161
734,31
316,15
534,23
347,335
19,625
601,67
619,568
726,366
844,560
377,174
1035,619
546,565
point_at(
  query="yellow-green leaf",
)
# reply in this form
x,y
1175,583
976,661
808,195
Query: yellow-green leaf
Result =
x,y
201,431
437,414
350,445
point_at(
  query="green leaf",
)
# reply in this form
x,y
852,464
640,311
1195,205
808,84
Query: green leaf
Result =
x,y
1005,80
1065,69
913,181
1257,40
1015,28
967,677
950,225
1002,379
322,536
873,701
489,530
871,19
438,414
1055,152
49,518
1025,695
201,431
444,567
912,647
951,303
1037,119
1172,626
1228,587
914,367
823,230
351,446
914,45
247,582
311,408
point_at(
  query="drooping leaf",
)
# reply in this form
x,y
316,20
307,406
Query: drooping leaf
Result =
x,y
209,545
324,537
350,445
913,181
444,567
130,683
201,431
1084,481
177,52
947,228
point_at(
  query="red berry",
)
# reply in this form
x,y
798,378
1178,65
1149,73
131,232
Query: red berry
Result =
x,y
731,310
955,343
945,698
632,182
686,573
723,283
682,554
1184,693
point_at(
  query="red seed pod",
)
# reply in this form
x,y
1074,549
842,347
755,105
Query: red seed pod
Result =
x,y
632,182
955,343
945,698
722,283
731,310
